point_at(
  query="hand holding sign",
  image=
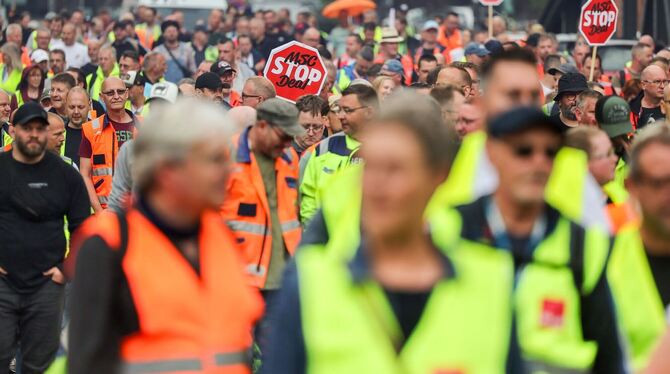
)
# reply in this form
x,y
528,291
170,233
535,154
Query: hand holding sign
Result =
x,y
295,69
597,23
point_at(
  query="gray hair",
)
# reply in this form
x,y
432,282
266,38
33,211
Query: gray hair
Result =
x,y
149,59
169,134
12,28
657,133
108,48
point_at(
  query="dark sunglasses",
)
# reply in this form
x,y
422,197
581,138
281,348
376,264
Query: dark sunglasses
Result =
x,y
527,151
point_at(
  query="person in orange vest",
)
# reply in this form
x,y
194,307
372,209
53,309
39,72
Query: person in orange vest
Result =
x,y
449,35
388,50
158,287
101,139
262,193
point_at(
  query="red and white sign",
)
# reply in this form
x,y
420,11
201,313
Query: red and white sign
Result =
x,y
491,2
597,21
295,69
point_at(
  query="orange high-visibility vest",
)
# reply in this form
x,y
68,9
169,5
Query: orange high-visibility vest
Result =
x,y
246,209
450,42
105,146
187,323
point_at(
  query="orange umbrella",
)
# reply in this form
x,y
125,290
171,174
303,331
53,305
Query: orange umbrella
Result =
x,y
352,7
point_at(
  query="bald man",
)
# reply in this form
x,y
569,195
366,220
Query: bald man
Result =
x,y
647,108
455,76
312,37
76,54
102,138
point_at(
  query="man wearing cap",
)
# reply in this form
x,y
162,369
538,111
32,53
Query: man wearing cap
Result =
x,y
262,196
393,68
228,53
429,44
227,75
208,86
476,53
388,50
358,69
40,57
179,56
135,82
101,140
37,192
569,87
562,287
548,80
646,108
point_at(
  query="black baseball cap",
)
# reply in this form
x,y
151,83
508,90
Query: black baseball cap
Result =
x,y
571,82
208,80
221,68
519,120
29,112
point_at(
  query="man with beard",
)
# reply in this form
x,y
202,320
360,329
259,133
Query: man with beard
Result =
x,y
6,135
313,111
208,87
585,110
38,191
569,86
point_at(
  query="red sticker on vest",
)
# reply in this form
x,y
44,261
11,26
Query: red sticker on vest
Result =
x,y
552,313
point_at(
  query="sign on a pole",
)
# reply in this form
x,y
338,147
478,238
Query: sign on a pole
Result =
x,y
598,20
490,2
295,69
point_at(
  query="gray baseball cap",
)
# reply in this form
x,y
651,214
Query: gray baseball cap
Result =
x,y
564,69
281,114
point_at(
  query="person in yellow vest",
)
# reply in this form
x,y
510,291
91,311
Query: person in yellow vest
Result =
x,y
107,67
6,129
101,140
639,265
11,68
169,294
30,88
564,311
404,297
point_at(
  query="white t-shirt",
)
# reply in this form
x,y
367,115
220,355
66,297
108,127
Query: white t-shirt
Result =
x,y
76,55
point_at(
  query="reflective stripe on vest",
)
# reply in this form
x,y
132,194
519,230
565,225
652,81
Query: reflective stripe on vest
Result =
x,y
246,209
99,172
179,365
187,322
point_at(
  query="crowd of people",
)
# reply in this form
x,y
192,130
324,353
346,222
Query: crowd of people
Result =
x,y
449,202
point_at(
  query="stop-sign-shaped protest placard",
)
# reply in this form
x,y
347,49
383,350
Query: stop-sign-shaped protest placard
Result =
x,y
295,69
597,21
490,2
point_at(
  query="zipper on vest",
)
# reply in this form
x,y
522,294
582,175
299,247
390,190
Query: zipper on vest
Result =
x,y
265,235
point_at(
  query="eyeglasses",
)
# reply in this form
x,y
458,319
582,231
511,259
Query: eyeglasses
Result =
x,y
118,91
527,151
351,110
245,96
658,82
314,127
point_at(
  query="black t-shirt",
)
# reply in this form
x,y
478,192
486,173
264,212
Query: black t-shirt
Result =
x,y
408,308
72,143
562,125
660,269
649,116
34,199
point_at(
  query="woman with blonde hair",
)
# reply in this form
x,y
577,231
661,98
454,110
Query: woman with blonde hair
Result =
x,y
384,86
11,68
